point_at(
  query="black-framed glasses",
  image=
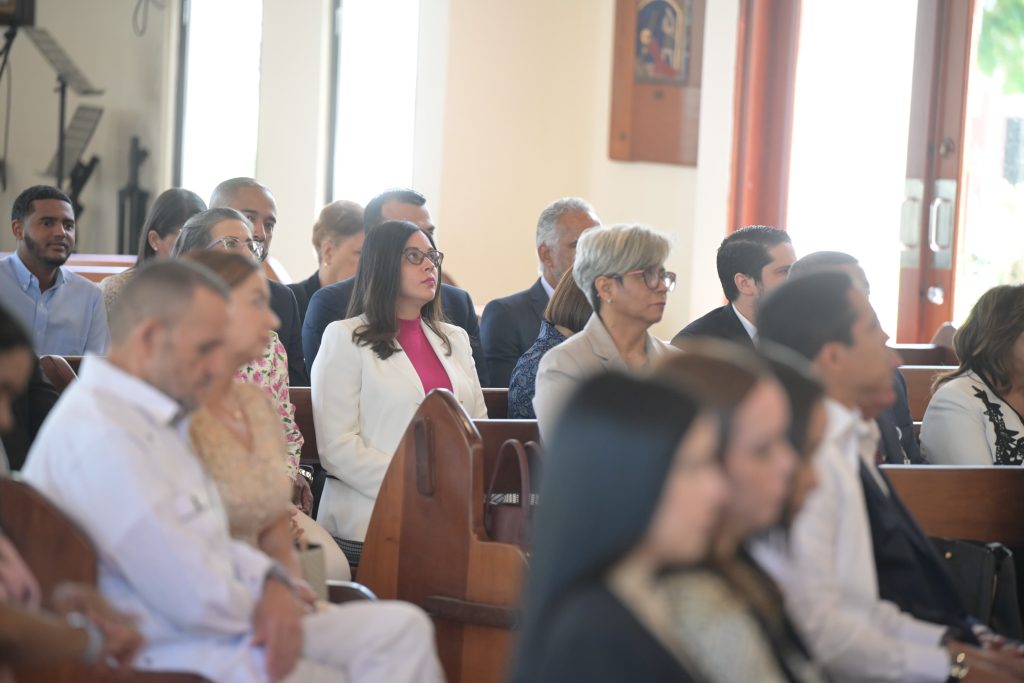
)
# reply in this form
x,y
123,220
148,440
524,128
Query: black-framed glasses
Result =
x,y
235,244
653,277
415,256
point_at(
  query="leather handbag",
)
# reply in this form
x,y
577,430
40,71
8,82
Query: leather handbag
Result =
x,y
508,514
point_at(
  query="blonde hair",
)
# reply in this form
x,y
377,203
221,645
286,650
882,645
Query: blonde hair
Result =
x,y
337,220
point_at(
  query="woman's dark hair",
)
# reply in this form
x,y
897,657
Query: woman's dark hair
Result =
x,y
378,285
720,372
568,306
803,390
169,212
233,269
984,343
609,456
12,334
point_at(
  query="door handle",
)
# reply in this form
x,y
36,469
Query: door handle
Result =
x,y
934,242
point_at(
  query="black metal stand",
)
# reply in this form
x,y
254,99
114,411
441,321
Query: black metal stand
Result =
x,y
62,88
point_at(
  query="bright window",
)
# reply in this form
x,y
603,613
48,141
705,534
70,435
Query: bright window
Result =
x,y
376,103
222,92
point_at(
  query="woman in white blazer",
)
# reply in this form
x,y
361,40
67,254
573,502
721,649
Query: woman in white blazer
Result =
x,y
621,269
975,415
376,367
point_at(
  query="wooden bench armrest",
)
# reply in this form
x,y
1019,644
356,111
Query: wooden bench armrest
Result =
x,y
475,613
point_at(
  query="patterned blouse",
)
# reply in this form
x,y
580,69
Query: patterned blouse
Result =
x,y
257,499
270,372
112,285
524,375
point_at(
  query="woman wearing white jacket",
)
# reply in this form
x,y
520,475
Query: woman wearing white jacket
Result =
x,y
376,367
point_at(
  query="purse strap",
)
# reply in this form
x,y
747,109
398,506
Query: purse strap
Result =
x,y
512,452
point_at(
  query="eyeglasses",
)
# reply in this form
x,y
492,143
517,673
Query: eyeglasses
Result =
x,y
235,244
654,277
415,256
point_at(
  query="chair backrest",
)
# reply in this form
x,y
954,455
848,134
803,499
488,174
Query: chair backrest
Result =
x,y
426,542
919,386
59,371
496,400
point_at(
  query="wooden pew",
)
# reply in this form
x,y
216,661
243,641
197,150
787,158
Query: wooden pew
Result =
x,y
925,354
496,400
971,503
57,550
919,386
95,267
426,541
58,371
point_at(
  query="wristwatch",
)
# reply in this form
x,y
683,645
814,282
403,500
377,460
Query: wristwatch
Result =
x,y
957,667
95,647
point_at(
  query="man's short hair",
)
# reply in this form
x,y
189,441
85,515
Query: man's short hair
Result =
x,y
372,214
161,288
547,224
23,204
337,221
226,191
821,261
806,313
746,251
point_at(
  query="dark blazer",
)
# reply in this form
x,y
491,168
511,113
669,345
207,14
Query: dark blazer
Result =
x,y
721,323
509,327
910,572
29,410
594,638
331,303
282,301
897,428
304,291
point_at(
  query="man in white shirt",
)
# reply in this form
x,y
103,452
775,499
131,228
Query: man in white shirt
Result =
x,y
828,573
115,456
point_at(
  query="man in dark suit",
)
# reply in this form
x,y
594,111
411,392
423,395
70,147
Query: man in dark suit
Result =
x,y
331,303
751,261
338,239
898,442
510,325
256,203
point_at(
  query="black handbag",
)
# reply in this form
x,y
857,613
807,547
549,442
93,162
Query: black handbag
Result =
x,y
987,580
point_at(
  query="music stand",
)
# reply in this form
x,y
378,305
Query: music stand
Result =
x,y
67,75
79,131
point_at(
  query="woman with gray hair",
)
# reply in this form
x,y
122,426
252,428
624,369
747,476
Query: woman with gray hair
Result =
x,y
621,270
220,228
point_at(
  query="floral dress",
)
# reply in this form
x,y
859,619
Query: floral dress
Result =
x,y
270,371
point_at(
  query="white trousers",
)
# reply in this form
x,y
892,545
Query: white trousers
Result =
x,y
335,562
368,642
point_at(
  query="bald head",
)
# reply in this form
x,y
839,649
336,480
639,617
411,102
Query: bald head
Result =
x,y
161,289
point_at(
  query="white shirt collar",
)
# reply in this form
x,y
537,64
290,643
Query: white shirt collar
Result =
x,y
547,288
107,378
750,327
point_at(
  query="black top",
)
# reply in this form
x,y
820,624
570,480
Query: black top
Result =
x,y
29,410
304,291
508,328
282,301
330,303
899,443
594,638
721,323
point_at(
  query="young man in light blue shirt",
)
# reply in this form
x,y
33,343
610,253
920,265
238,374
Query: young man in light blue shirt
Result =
x,y
62,310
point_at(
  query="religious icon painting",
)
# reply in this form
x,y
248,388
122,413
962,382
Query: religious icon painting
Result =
x,y
662,41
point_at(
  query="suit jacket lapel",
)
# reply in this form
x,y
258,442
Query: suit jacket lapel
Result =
x,y
739,333
538,299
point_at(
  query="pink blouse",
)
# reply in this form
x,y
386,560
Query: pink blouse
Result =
x,y
414,342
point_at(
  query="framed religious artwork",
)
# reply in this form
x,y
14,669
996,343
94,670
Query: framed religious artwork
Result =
x,y
656,78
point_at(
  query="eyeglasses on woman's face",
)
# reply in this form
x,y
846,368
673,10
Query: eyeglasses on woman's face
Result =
x,y
653,277
415,256
236,245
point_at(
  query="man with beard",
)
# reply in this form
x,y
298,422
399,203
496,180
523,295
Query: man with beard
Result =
x,y
62,310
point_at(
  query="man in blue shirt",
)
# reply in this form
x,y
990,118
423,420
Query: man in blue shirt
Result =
x,y
62,310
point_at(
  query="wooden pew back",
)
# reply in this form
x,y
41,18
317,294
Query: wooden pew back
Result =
x,y
58,371
496,400
971,503
925,354
919,386
426,542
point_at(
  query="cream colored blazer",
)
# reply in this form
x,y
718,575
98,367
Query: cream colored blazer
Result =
x,y
362,406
